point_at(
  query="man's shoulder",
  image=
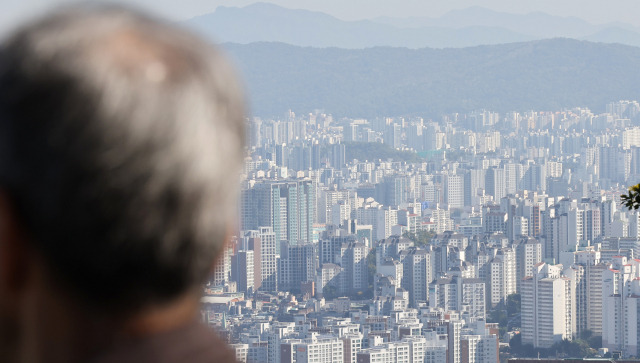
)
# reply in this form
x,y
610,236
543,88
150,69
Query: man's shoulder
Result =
x,y
194,343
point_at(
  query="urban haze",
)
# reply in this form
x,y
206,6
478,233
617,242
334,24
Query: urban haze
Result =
x,y
421,192
428,181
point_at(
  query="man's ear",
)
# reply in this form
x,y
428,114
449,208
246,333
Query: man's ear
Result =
x,y
14,254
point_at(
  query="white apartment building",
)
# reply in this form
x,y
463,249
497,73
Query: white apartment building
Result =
x,y
278,332
454,191
352,345
419,268
435,350
621,306
479,348
222,269
586,275
501,276
241,351
547,307
268,259
528,254
407,350
442,219
594,292
631,137
455,293
315,349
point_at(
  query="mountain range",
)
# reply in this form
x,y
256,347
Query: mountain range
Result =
x,y
264,22
535,75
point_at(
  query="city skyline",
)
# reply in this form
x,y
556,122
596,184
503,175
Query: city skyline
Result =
x,y
433,240
464,230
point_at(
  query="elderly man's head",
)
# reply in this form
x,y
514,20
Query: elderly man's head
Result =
x,y
120,146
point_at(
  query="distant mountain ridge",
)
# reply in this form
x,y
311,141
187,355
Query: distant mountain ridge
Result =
x,y
535,24
383,81
264,22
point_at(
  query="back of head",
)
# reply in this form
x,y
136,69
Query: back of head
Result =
x,y
120,146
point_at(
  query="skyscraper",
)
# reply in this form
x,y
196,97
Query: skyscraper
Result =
x,y
288,207
317,348
495,183
298,263
501,276
268,259
547,307
392,135
418,271
454,191
621,306
242,270
528,254
454,293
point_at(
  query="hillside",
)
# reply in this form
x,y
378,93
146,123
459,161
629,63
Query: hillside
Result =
x,y
540,75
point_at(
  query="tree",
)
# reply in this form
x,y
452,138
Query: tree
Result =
x,y
631,200
371,272
595,341
371,266
330,292
577,348
506,314
498,316
513,305
420,238
586,334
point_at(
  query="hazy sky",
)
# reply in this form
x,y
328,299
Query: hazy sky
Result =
x,y
595,11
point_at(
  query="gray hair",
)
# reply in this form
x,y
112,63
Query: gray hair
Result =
x,y
121,140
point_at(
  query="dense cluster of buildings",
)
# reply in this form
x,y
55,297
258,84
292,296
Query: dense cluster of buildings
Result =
x,y
338,259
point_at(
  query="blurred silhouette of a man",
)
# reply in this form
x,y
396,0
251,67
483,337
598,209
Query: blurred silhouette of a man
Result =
x,y
120,146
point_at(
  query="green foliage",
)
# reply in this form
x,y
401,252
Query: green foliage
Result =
x,y
506,314
498,316
577,348
371,271
513,305
631,200
595,342
374,151
371,265
421,238
586,334
330,292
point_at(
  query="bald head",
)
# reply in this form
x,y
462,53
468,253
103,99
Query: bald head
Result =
x,y
121,145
